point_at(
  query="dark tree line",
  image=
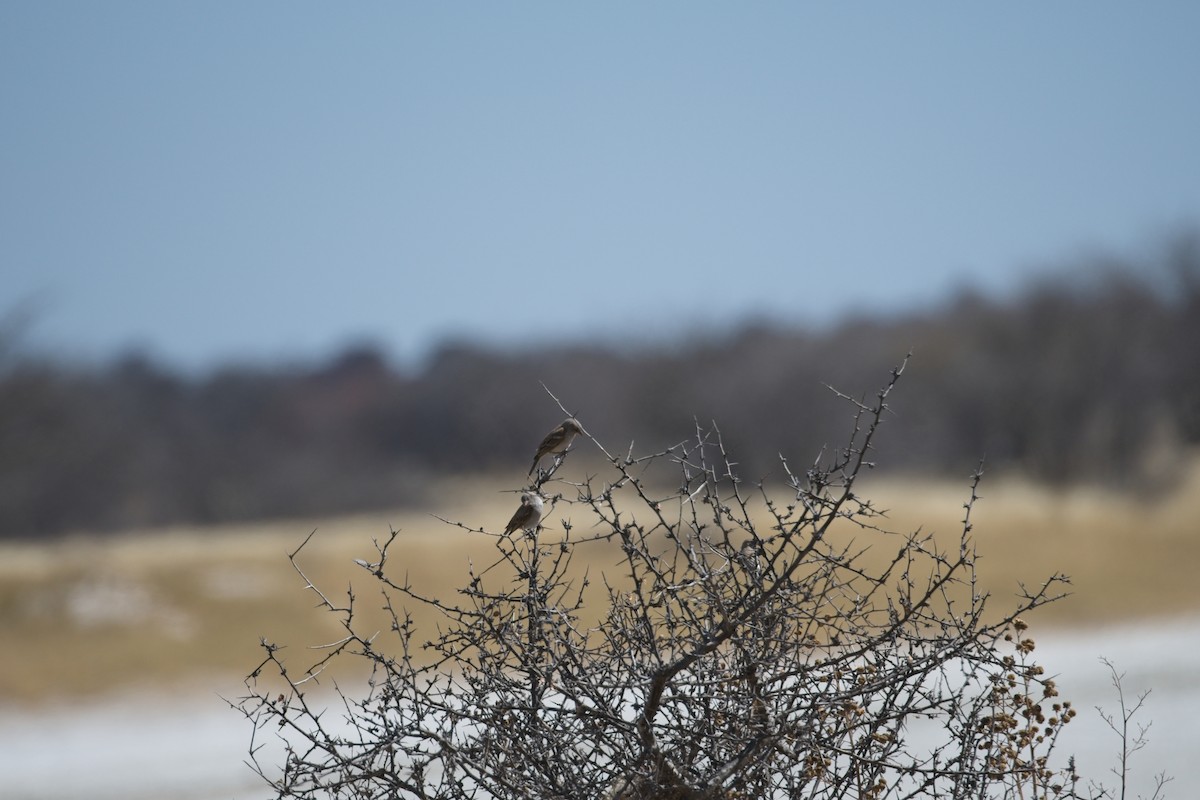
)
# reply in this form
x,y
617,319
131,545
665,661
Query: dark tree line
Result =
x,y
1093,376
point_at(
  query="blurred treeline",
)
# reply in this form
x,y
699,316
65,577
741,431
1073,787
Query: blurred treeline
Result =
x,y
1092,376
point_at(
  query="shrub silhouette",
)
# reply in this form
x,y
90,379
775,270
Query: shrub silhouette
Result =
x,y
754,642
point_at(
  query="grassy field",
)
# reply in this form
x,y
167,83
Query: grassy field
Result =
x,y
87,615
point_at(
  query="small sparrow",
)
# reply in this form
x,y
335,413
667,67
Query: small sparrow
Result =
x,y
557,441
748,554
528,515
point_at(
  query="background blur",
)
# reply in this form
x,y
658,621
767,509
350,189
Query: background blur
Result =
x,y
273,267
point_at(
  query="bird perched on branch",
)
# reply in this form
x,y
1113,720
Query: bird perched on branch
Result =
x,y
528,515
557,441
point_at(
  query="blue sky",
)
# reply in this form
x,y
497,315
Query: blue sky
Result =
x,y
214,181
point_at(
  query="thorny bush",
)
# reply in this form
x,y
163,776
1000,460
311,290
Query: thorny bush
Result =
x,y
755,642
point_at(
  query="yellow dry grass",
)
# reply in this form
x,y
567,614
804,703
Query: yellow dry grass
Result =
x,y
92,614
1127,559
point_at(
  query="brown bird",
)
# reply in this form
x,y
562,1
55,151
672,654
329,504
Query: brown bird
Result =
x,y
528,515
557,441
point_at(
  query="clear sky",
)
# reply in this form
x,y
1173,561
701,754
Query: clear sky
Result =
x,y
216,180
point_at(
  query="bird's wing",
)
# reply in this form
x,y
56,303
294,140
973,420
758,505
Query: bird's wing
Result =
x,y
520,518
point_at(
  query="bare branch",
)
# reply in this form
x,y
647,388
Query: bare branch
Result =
x,y
752,640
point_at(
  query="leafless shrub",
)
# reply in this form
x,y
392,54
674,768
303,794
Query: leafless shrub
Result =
x,y
1132,740
755,642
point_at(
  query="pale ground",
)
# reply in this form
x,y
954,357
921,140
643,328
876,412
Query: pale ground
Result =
x,y
116,648
190,746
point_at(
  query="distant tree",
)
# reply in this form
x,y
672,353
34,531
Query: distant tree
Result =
x,y
756,642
